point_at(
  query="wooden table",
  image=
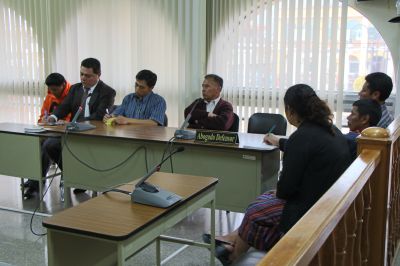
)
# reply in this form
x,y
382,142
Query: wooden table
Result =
x,y
110,228
244,171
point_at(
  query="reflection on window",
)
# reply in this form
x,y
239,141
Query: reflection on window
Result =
x,y
366,52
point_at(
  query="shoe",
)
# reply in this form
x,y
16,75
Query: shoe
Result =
x,y
222,254
31,183
207,239
29,192
79,191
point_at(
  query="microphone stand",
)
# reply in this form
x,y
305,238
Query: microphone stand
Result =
x,y
181,133
146,193
74,126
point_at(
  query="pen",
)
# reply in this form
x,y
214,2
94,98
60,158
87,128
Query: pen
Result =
x,y
271,129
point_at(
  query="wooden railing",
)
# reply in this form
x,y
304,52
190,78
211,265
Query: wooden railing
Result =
x,y
357,221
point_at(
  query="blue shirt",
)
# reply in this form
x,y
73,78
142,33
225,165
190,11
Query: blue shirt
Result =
x,y
152,106
386,118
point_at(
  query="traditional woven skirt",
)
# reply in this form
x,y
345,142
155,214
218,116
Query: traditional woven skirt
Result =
x,y
259,227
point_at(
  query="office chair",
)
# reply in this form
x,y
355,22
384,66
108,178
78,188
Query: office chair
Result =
x,y
165,120
261,123
235,124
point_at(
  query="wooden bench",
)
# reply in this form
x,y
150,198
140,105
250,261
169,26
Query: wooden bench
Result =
x,y
357,221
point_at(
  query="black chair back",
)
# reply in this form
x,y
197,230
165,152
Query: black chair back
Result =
x,y
235,124
165,120
261,123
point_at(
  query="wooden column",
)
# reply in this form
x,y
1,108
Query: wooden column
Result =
x,y
378,139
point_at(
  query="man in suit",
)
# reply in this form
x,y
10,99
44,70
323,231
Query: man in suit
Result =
x,y
210,112
92,94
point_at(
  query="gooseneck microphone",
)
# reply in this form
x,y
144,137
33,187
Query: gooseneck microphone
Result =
x,y
186,122
181,133
74,126
149,194
155,169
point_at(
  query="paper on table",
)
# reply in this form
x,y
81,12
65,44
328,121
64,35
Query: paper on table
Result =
x,y
34,129
254,141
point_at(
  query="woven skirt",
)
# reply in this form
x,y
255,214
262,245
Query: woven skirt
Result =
x,y
259,227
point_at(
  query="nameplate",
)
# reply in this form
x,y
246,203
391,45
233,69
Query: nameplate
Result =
x,y
217,137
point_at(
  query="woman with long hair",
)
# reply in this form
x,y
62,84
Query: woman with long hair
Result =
x,y
314,157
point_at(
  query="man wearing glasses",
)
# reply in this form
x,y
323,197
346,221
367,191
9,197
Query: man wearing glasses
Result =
x,y
92,94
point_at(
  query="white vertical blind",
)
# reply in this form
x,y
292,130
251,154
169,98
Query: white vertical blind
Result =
x,y
44,36
263,47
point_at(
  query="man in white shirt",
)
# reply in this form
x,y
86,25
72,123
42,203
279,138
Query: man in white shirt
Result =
x,y
211,111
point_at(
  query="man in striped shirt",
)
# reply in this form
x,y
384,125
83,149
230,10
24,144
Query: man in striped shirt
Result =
x,y
378,86
143,107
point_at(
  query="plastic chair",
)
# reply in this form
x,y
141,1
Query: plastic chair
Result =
x,y
261,123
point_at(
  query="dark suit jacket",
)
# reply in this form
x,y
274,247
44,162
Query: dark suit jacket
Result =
x,y
101,99
200,119
313,160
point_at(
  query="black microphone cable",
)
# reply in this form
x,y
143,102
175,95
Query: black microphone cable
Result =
x,y
45,192
112,167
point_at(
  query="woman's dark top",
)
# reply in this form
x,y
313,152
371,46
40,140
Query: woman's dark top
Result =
x,y
313,160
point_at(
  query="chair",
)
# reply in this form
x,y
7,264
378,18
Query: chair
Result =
x,y
261,123
165,120
235,124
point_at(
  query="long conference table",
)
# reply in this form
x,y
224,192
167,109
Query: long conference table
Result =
x,y
244,171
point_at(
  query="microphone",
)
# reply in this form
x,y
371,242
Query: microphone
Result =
x,y
181,133
149,194
73,125
157,168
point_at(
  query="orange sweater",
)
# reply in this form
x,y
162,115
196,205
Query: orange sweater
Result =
x,y
51,102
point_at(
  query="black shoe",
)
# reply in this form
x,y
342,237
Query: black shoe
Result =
x,y
207,239
222,254
79,191
29,192
31,183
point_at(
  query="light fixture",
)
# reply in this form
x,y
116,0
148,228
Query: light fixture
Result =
x,y
397,18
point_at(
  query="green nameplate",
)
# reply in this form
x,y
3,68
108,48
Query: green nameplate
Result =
x,y
217,137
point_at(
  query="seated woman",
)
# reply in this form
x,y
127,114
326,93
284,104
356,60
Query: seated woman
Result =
x,y
315,155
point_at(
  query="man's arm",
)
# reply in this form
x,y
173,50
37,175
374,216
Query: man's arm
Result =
x,y
66,105
122,120
220,119
107,96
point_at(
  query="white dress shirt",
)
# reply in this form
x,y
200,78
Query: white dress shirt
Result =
x,y
210,106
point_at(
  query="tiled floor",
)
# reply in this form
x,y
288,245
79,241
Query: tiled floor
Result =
x,y
19,246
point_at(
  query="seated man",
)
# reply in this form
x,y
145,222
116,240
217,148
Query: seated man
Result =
x,y
143,107
57,90
378,87
365,113
92,94
211,112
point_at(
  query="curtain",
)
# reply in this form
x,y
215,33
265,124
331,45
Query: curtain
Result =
x,y
44,36
262,47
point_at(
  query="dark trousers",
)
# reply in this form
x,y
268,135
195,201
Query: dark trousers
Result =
x,y
46,159
52,149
